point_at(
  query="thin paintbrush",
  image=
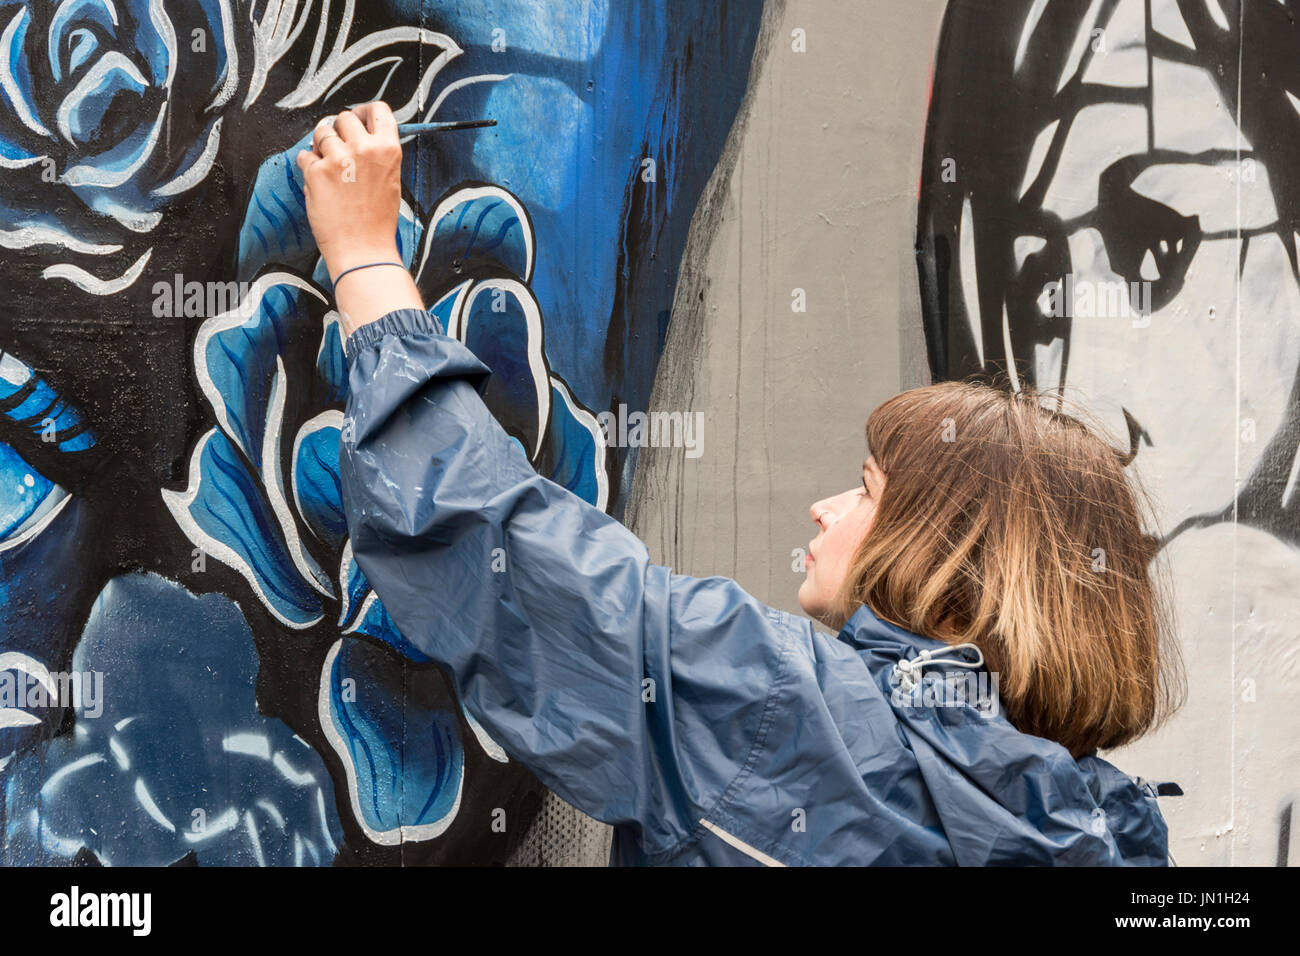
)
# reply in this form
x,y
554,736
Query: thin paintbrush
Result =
x,y
416,129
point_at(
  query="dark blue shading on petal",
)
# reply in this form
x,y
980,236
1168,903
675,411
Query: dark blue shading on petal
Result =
x,y
331,364
23,490
378,624
574,454
275,227
364,614
316,483
478,230
241,362
227,508
444,310
395,728
29,400
353,588
101,104
501,325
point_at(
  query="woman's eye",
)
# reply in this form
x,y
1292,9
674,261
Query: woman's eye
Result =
x,y
28,500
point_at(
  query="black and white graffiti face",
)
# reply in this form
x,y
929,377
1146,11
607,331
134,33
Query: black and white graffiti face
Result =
x,y
1108,211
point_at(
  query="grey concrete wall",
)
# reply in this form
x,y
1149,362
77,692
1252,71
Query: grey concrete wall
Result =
x,y
822,199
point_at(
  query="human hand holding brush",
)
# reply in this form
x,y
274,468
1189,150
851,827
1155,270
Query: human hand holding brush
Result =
x,y
352,179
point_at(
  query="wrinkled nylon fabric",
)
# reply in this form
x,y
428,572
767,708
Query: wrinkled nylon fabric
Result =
x,y
703,725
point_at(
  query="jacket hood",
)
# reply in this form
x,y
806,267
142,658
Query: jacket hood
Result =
x,y
1004,797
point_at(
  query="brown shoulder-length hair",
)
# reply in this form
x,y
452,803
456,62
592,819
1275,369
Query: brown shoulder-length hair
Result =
x,y
1012,525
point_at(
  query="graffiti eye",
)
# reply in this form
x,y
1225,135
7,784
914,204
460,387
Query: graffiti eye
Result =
x,y
28,500
1148,243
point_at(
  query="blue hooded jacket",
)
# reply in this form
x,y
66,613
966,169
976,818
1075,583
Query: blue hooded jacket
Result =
x,y
705,726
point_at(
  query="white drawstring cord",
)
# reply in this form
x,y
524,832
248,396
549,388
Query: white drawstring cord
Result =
x,y
908,673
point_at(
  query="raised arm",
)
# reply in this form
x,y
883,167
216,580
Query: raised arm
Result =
x,y
634,693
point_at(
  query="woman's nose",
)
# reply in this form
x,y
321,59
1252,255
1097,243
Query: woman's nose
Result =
x,y
821,513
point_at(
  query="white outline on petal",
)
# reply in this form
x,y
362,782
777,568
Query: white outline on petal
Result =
x,y
366,603
51,786
457,307
232,59
398,835
178,503
25,237
62,14
229,320
331,418
490,746
446,207
162,23
7,82
536,360
150,806
86,282
459,84
588,421
345,598
85,175
273,482
40,519
316,81
7,163
14,661
199,169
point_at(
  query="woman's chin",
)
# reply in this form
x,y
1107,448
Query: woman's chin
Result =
x,y
808,601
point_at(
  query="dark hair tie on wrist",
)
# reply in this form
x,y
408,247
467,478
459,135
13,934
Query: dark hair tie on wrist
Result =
x,y
364,266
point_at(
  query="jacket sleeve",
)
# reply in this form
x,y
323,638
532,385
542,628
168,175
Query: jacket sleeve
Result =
x,y
638,695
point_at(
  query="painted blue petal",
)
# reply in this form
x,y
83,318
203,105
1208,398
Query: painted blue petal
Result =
x,y
100,104
23,490
331,364
477,229
226,507
574,456
29,400
316,485
275,227
241,362
502,325
354,587
173,729
14,152
378,624
80,12
403,755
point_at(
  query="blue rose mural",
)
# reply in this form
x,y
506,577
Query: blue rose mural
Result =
x,y
170,514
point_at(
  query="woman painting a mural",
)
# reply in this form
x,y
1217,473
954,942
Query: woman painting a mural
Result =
x,y
998,621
